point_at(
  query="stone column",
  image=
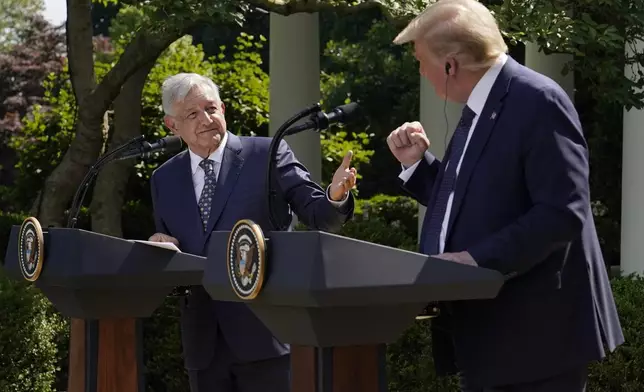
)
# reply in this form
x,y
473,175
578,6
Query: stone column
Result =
x,y
551,65
294,67
439,121
632,236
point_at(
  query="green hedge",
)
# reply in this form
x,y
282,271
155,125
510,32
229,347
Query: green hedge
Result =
x,y
33,337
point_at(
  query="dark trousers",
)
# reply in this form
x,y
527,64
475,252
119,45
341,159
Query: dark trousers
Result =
x,y
226,374
573,381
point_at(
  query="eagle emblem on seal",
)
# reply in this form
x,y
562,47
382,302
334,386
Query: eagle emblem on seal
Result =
x,y
245,261
31,249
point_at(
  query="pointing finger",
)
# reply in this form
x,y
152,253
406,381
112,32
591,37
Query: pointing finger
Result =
x,y
346,162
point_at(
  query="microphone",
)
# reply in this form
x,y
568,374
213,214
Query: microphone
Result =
x,y
320,121
136,147
144,149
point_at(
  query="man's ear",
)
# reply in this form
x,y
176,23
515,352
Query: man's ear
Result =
x,y
223,107
451,66
169,122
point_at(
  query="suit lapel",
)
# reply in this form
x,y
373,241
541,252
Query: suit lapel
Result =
x,y
186,194
481,133
231,165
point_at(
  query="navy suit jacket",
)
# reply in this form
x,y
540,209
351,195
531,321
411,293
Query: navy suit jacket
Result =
x,y
240,194
522,207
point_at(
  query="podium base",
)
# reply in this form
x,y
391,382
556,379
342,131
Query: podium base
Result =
x,y
339,369
106,356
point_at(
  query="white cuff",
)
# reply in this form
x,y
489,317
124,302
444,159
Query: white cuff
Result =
x,y
336,203
406,173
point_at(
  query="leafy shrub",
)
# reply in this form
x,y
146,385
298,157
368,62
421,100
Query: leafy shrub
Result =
x,y
32,335
376,217
623,370
410,366
164,370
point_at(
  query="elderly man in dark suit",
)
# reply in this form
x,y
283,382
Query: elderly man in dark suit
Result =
x,y
511,195
219,180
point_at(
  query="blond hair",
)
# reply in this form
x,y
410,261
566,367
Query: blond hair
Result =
x,y
462,29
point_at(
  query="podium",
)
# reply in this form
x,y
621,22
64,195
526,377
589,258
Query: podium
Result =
x,y
336,300
105,283
339,300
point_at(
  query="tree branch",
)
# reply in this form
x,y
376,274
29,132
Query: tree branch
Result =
x,y
111,183
396,14
145,48
80,47
61,184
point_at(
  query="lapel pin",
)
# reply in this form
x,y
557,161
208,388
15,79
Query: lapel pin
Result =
x,y
493,116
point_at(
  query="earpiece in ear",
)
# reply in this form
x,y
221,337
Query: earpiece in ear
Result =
x,y
448,66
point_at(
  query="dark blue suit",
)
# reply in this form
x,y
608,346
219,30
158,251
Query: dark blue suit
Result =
x,y
216,333
522,207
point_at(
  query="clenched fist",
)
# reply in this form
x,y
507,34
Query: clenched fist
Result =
x,y
160,237
408,143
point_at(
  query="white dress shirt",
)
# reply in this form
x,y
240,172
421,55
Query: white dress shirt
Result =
x,y
199,175
476,102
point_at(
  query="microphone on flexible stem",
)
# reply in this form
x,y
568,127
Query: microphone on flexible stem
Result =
x,y
318,121
145,149
136,147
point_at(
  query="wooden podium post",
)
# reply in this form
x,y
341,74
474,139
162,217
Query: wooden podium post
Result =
x,y
339,369
105,356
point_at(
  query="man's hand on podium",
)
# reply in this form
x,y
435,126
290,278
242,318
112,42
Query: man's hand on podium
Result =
x,y
160,237
459,257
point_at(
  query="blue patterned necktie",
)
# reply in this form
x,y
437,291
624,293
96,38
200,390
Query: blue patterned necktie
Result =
x,y
208,191
448,182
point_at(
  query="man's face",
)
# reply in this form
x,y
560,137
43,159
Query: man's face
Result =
x,y
199,120
430,68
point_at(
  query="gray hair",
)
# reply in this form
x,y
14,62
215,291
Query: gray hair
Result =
x,y
175,89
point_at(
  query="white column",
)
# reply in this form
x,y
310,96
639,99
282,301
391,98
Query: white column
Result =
x,y
552,66
439,120
632,236
294,65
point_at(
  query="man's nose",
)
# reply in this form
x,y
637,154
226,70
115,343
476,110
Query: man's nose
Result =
x,y
206,118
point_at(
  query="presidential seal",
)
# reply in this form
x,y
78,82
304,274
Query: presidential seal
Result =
x,y
31,249
246,259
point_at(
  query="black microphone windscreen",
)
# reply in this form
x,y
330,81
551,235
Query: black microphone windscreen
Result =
x,y
173,143
348,110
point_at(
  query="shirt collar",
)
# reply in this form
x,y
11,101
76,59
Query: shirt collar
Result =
x,y
479,94
215,156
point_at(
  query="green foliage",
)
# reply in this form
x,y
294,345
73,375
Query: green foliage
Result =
x,y
28,338
32,331
243,87
169,15
362,65
47,134
623,370
584,29
15,17
376,217
164,370
336,145
410,366
128,22
7,220
43,141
